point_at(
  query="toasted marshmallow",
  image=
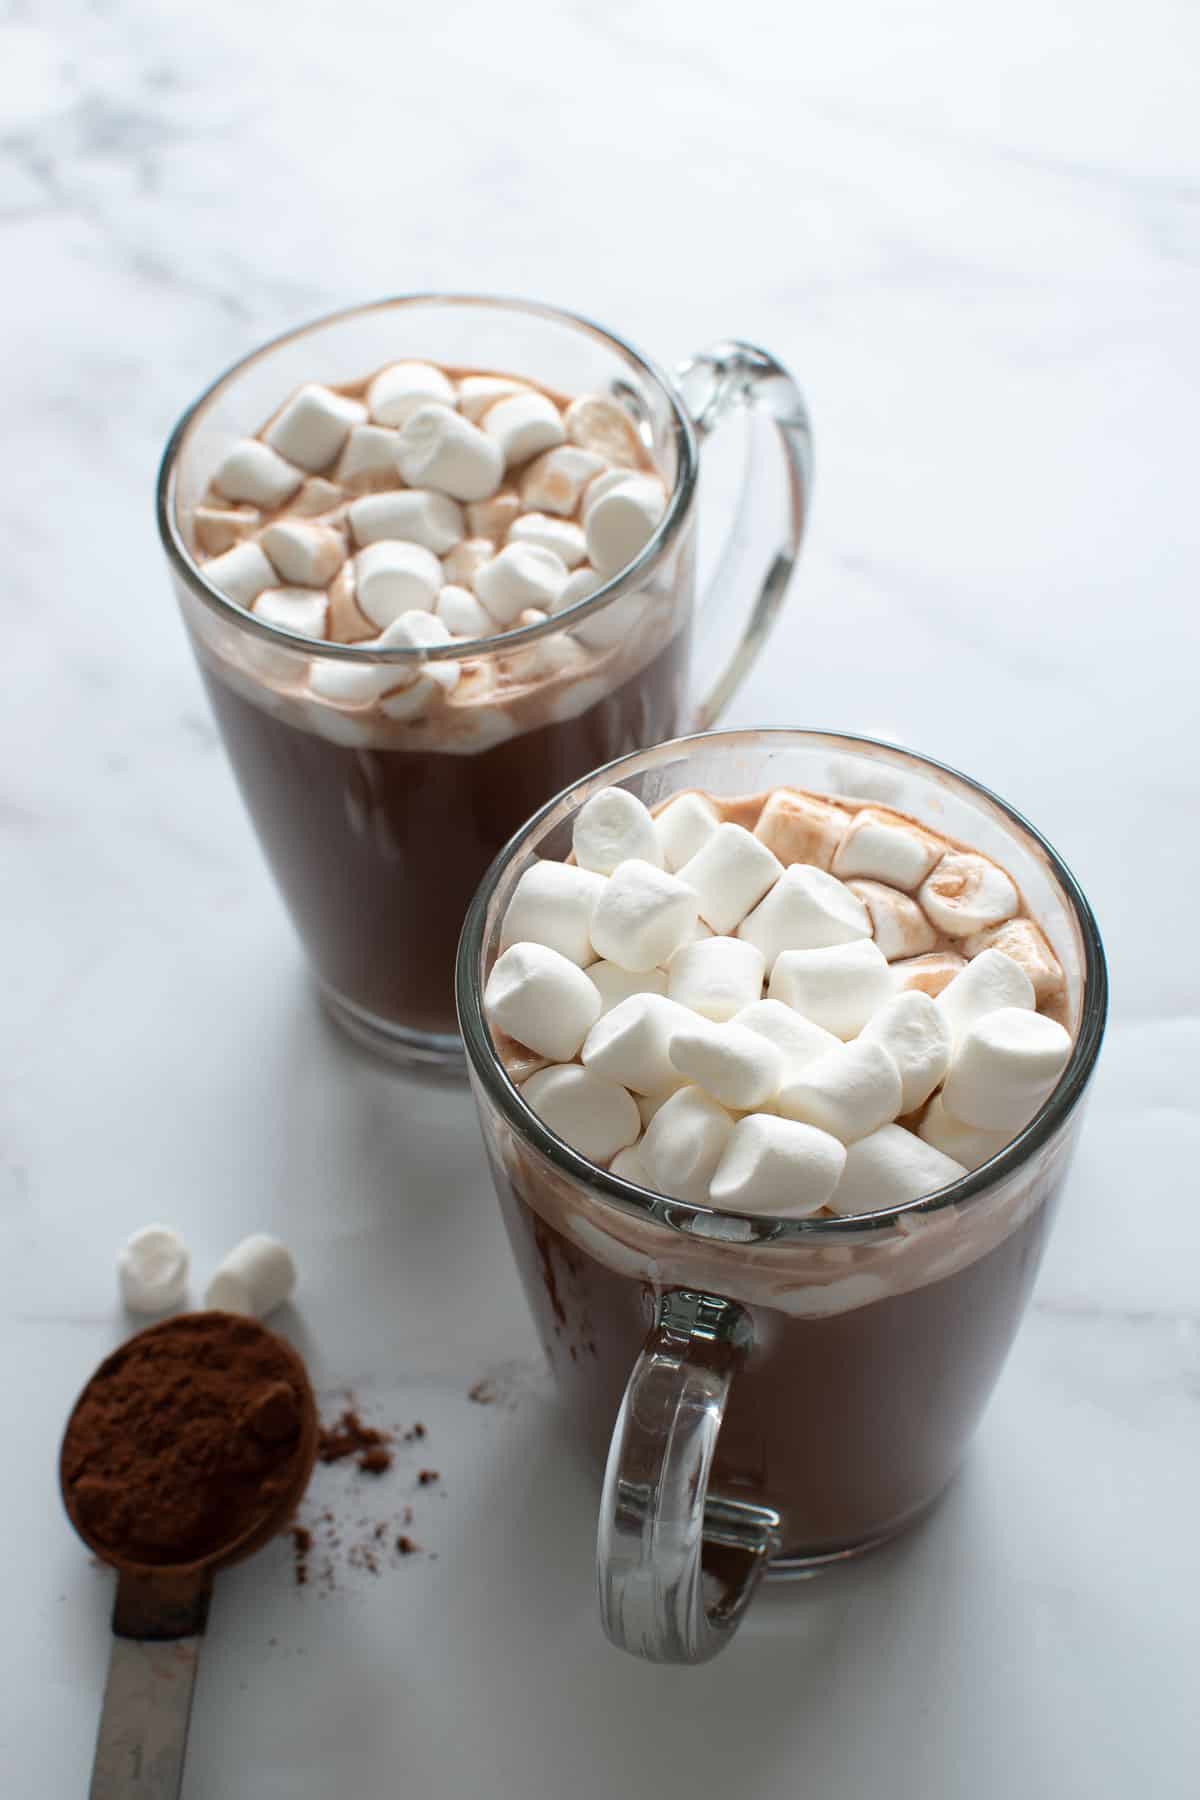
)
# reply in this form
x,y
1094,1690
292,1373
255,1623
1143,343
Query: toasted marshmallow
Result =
x,y
805,910
241,574
540,998
254,472
219,528
730,872
927,974
493,518
915,1032
1026,944
594,1116
898,925
478,393
631,1044
799,828
462,564
740,1068
313,425
685,825
966,893
552,904
522,575
369,459
1005,1065
462,615
849,1093
411,515
614,984
439,449
629,1166
716,977
772,1165
554,482
393,578
992,980
152,1269
683,1144
890,1168
305,555
800,1041
967,1144
402,389
523,426
838,988
606,429
642,915
257,1276
883,847
620,524
560,535
296,609
612,827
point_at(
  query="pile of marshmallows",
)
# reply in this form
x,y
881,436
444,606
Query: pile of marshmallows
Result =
x,y
480,538
692,1084
152,1271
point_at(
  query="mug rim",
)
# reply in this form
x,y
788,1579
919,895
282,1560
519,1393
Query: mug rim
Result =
x,y
634,575
760,1229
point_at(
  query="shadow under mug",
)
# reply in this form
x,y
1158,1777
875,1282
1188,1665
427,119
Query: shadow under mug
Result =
x,y
801,1389
378,831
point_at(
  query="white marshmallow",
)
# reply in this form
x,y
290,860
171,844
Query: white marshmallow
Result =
x,y
393,578
296,609
522,426
800,828
554,481
614,984
601,485
685,825
440,449
219,528
305,555
778,1166
915,1032
740,1068
552,904
254,472
418,630
522,575
800,1041
1026,944
411,515
413,699
610,828
317,496
890,1168
805,910
642,915
602,426
560,535
730,872
241,574
990,981
898,925
461,613
369,459
683,1144
882,847
649,1104
545,1002
838,988
966,893
402,389
594,1116
313,425
631,1044
620,524
967,1144
350,684
476,393
629,1166
257,1276
556,654
1004,1067
716,977
462,564
152,1269
614,624
849,1093
927,974
493,518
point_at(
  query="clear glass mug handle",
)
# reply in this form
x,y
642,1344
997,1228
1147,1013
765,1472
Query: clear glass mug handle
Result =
x,y
656,1514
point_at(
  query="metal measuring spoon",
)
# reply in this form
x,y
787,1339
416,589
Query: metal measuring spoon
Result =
x,y
160,1614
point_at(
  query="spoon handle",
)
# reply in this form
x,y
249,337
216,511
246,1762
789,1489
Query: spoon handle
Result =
x,y
157,1632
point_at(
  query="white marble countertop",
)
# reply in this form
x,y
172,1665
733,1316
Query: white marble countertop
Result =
x,y
973,233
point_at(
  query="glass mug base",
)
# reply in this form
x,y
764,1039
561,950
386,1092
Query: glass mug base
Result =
x,y
423,1052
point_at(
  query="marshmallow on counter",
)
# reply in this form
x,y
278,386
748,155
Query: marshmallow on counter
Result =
x,y
629,1166
252,471
967,1144
552,904
305,555
241,574
554,481
620,524
478,393
602,426
898,925
799,828
522,575
730,872
684,1143
740,1068
989,981
915,1032
716,977
685,825
402,389
642,915
369,459
610,828
614,984
440,449
152,1269
805,910
631,1044
219,528
317,496
772,1165
890,1168
927,974
412,515
838,988
594,1116
462,564
313,425
800,1041
547,1003
461,613
1026,943
560,535
966,893
1005,1065
299,609
257,1276
849,1093
523,425
493,518
883,847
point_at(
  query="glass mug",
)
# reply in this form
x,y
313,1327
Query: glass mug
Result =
x,y
377,836
801,1389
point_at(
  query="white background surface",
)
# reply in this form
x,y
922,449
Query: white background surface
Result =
x,y
973,232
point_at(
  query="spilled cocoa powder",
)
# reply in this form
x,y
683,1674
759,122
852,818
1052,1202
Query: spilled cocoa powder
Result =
x,y
348,1436
337,1537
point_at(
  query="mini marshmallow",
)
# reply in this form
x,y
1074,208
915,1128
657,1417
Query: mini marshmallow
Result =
x,y
685,825
522,575
594,1116
614,624
620,524
560,535
898,925
649,1104
296,609
849,1093
800,1041
402,389
967,1144
393,578
966,893
1005,1065
478,393
614,984
631,1044
629,1166
882,847
219,528
493,518
350,684
547,1003
254,472
599,486
730,872
991,980
556,654
552,904
915,1032
415,698
257,1276
740,1068
305,555
684,1143
774,1165
642,915
313,425
317,496
440,449
805,910
838,988
241,574
554,481
716,977
799,828
612,827
152,1269
369,459
462,615
413,515
606,429
522,426
1026,944
462,564
890,1168
418,630
927,974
